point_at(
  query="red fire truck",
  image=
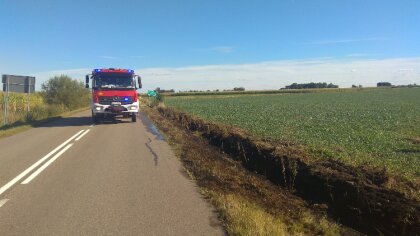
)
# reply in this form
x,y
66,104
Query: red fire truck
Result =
x,y
114,93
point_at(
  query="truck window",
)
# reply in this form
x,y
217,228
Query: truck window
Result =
x,y
109,82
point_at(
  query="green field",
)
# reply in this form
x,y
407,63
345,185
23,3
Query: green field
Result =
x,y
379,127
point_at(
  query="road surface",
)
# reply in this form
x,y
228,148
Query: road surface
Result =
x,y
70,177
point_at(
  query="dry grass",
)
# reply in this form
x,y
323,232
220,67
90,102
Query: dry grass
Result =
x,y
247,218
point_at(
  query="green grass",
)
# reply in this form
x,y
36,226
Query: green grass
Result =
x,y
379,127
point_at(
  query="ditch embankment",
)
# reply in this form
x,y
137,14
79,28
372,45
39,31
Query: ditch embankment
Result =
x,y
363,199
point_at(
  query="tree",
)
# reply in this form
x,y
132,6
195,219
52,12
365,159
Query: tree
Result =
x,y
383,84
159,90
239,89
311,85
330,85
63,90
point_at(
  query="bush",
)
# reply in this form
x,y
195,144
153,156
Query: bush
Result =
x,y
62,90
44,111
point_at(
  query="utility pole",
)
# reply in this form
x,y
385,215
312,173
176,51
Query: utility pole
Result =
x,y
6,102
29,92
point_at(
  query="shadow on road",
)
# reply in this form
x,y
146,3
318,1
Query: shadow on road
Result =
x,y
80,121
67,121
56,121
59,121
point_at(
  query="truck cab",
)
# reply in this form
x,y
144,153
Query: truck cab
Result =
x,y
114,93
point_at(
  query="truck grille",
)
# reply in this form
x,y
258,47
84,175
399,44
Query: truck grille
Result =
x,y
108,100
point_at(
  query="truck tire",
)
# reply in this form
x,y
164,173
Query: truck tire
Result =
x,y
133,117
95,118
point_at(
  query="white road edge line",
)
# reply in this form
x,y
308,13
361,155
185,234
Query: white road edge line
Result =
x,y
21,175
91,125
81,136
3,201
43,167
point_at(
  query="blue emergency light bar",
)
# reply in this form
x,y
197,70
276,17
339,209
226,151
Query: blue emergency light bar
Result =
x,y
112,70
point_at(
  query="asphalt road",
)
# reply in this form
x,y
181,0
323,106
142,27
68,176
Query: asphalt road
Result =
x,y
109,179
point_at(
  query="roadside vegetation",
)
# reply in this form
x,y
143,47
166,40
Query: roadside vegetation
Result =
x,y
65,92
59,94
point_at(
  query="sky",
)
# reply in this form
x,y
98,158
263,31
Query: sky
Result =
x,y
215,44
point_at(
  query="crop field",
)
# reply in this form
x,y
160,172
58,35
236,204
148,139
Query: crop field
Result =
x,y
18,108
377,127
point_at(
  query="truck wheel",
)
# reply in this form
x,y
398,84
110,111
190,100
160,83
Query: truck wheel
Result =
x,y
133,117
95,118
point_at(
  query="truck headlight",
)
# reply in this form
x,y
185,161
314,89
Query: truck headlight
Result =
x,y
98,108
133,107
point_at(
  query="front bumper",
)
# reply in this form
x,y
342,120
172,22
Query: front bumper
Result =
x,y
115,109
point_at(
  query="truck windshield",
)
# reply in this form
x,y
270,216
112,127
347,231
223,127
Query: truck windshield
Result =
x,y
108,82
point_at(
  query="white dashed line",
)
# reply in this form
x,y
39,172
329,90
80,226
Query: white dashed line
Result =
x,y
81,136
37,172
39,162
3,201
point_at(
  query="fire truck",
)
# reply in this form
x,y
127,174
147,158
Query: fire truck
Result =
x,y
114,93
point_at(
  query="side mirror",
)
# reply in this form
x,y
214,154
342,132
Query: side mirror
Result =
x,y
139,81
87,81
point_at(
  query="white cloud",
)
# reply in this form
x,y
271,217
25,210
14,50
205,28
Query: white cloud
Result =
x,y
272,74
277,74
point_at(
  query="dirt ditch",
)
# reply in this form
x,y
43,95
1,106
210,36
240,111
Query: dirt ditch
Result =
x,y
359,198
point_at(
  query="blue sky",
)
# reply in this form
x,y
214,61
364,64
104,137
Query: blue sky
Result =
x,y
161,39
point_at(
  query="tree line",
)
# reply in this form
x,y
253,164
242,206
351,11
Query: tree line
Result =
x,y
311,86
